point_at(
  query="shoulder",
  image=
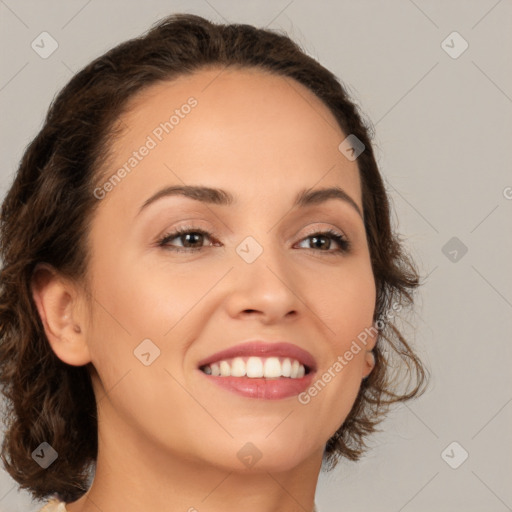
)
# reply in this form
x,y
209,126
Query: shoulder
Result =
x,y
54,505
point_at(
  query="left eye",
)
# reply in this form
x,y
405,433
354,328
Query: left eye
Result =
x,y
193,238
341,240
190,236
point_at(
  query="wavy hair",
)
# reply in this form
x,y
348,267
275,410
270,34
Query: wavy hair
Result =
x,y
45,218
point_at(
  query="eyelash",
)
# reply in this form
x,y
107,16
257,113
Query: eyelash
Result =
x,y
343,242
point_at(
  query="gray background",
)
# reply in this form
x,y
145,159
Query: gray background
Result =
x,y
443,139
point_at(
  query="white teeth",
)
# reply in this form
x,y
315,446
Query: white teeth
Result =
x,y
215,369
225,369
295,369
272,368
238,367
286,368
256,367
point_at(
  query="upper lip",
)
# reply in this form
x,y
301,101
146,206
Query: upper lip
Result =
x,y
263,349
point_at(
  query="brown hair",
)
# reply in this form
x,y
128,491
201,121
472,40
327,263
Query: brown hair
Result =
x,y
45,218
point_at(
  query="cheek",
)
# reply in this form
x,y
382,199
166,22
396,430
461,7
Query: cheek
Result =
x,y
133,306
345,301
135,303
142,302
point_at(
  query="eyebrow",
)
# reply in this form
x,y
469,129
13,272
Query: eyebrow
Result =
x,y
217,196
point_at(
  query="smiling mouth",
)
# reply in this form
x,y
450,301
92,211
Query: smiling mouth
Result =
x,y
254,367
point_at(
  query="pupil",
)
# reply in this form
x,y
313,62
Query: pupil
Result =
x,y
316,238
188,235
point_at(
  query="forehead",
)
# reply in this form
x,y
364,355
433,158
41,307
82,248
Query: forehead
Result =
x,y
232,128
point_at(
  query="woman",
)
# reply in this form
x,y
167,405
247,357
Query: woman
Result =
x,y
199,280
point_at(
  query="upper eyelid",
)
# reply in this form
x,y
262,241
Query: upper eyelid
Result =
x,y
212,232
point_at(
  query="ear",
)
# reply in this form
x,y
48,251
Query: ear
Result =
x,y
57,302
369,364
369,357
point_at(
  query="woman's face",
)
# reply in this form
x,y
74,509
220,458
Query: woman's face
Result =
x,y
258,273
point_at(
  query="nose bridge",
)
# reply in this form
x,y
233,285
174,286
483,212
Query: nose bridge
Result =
x,y
263,278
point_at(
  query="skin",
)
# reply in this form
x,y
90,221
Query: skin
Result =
x,y
168,438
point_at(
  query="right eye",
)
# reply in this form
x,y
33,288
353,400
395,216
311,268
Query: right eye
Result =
x,y
187,235
342,241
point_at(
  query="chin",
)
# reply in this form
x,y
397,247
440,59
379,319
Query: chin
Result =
x,y
275,453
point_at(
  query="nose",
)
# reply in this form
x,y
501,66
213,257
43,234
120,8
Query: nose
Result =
x,y
265,289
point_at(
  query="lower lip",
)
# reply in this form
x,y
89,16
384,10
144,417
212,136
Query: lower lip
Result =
x,y
266,389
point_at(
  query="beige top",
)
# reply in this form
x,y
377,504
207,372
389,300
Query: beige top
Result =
x,y
54,505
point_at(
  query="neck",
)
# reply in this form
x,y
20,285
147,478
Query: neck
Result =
x,y
134,474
